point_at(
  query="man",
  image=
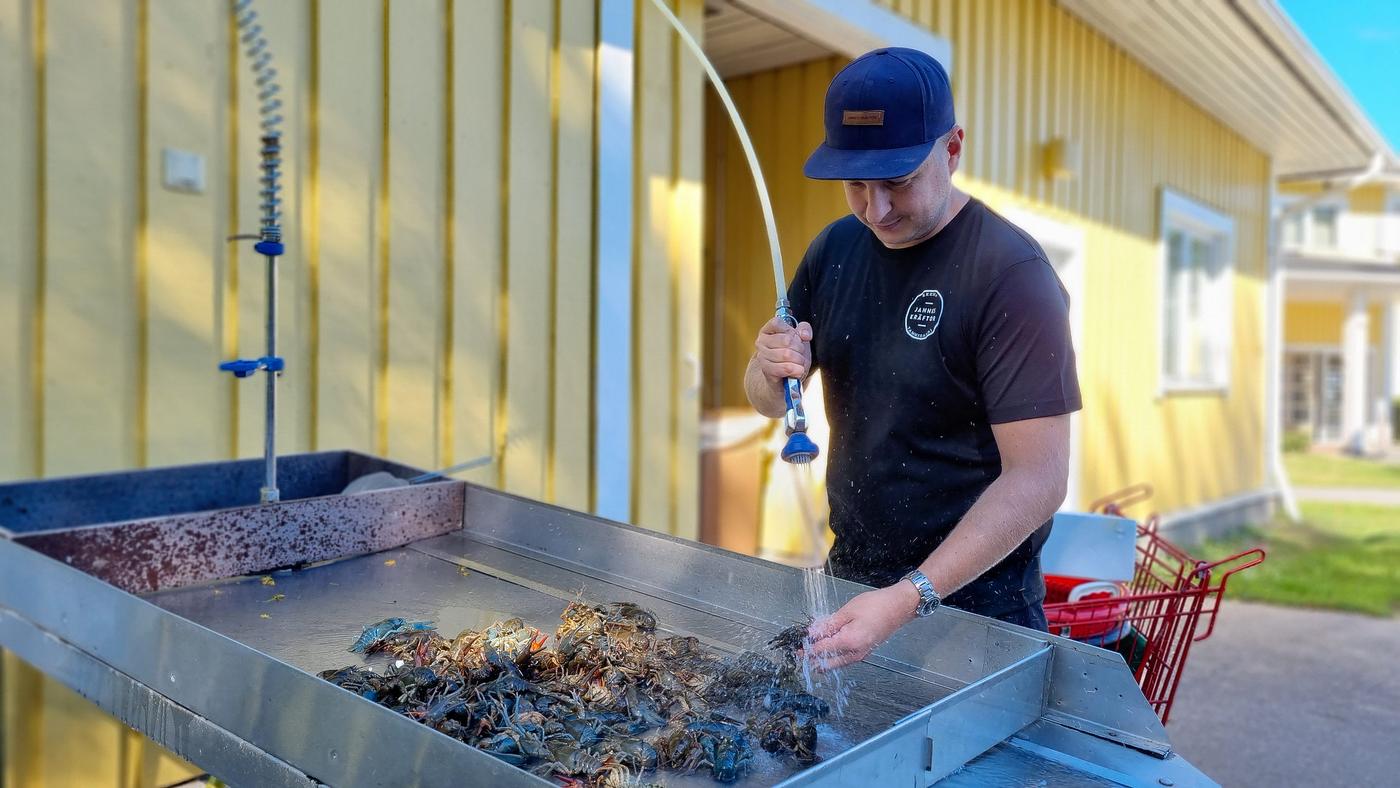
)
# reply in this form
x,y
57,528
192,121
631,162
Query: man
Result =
x,y
942,333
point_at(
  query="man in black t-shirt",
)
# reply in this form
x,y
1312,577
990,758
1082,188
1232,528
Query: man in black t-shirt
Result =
x,y
942,333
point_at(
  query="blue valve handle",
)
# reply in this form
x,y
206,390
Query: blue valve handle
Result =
x,y
243,367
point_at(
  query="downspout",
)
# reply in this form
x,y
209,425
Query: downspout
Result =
x,y
1274,325
1273,362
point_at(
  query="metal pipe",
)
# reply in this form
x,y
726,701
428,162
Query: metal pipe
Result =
x,y
1273,373
269,492
270,232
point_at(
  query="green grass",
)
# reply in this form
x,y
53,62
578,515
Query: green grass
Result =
x,y
1342,556
1323,470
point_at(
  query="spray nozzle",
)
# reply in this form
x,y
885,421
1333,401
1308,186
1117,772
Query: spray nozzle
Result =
x,y
799,449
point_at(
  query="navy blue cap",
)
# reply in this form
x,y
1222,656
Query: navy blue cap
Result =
x,y
884,112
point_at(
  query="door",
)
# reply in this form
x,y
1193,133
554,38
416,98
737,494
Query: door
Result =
x,y
1328,377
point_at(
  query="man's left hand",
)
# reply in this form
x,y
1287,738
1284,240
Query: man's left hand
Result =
x,y
851,633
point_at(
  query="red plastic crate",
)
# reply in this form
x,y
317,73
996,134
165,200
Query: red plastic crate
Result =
x,y
1171,603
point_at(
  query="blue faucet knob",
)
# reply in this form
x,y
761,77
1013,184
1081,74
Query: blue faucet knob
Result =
x,y
243,367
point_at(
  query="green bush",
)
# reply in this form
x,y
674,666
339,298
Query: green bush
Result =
x,y
1296,440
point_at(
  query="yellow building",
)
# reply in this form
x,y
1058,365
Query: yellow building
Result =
x,y
1340,242
516,230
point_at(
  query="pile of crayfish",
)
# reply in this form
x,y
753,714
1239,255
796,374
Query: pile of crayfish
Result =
x,y
605,703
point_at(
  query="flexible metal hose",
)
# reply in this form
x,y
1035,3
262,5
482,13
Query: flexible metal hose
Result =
x,y
269,112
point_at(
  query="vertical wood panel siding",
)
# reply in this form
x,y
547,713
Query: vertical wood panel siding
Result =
x,y
429,313
20,210
1024,73
437,291
1320,323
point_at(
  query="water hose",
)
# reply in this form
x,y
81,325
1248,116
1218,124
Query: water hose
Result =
x,y
799,449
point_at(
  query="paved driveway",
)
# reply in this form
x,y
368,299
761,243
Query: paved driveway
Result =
x,y
1285,696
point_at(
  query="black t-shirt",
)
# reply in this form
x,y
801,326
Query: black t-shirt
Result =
x,y
921,351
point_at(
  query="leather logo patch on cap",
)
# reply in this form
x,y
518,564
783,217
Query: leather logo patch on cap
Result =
x,y
863,117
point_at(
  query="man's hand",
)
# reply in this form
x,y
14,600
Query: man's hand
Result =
x,y
851,633
784,351
781,351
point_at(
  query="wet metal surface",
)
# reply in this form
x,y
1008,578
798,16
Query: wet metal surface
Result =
x,y
149,555
321,610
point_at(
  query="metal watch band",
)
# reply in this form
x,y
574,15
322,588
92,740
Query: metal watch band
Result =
x,y
928,598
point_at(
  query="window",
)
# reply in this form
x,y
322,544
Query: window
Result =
x,y
1293,230
1324,227
1198,246
1298,392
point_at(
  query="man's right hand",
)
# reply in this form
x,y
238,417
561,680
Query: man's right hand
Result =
x,y
784,351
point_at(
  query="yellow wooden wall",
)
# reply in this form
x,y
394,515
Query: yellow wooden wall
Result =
x,y
1025,72
1370,198
439,224
1320,323
437,291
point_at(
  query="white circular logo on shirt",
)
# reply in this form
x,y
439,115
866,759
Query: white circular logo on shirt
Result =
x,y
921,320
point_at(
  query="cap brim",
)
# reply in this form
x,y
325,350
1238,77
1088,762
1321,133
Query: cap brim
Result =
x,y
834,164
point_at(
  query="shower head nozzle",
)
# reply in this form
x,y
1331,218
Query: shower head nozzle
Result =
x,y
799,449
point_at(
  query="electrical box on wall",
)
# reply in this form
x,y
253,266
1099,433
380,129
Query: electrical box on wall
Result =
x,y
184,171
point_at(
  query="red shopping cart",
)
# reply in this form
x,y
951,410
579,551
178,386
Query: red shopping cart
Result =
x,y
1172,602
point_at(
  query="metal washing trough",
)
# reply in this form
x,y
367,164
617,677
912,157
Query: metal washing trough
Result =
x,y
142,592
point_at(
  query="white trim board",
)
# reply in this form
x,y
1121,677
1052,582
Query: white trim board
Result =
x,y
612,393
851,27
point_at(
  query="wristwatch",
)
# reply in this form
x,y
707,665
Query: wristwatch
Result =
x,y
929,600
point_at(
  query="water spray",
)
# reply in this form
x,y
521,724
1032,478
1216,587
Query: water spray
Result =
x,y
799,449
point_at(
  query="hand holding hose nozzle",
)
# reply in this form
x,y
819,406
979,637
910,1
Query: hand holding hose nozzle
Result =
x,y
799,449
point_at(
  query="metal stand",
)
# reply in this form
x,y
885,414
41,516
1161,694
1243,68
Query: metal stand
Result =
x,y
270,237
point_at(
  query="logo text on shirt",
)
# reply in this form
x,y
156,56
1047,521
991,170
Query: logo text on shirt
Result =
x,y
921,319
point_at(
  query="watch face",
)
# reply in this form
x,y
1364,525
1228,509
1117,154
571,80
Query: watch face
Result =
x,y
927,606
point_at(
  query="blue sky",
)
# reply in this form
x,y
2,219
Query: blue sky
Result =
x,y
1360,39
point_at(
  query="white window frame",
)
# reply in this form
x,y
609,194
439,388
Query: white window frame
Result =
x,y
1196,219
1310,226
1298,220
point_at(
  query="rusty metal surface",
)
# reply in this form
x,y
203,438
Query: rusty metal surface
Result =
x,y
149,555
46,504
